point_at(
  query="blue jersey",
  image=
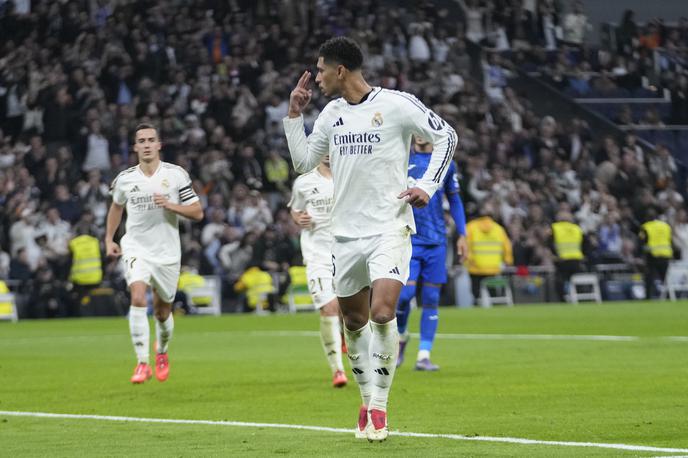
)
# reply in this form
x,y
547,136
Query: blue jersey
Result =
x,y
430,226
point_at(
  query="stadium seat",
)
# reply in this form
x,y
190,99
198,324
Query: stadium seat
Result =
x,y
8,307
298,296
211,289
496,285
588,280
676,280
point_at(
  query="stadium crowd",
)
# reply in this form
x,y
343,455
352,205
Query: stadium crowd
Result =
x,y
77,76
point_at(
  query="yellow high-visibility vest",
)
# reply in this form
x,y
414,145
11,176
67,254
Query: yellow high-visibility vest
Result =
x,y
189,282
6,308
86,263
568,240
257,284
658,241
488,247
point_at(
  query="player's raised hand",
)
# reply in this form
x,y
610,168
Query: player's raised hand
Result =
x,y
300,96
415,197
462,248
304,220
112,250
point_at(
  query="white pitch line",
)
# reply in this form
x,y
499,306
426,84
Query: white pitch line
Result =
x,y
460,437
677,339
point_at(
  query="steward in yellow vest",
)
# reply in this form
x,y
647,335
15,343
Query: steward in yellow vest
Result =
x,y
656,235
489,249
87,269
257,285
6,308
567,239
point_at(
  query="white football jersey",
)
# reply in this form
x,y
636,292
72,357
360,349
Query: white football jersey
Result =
x,y
152,232
369,145
314,193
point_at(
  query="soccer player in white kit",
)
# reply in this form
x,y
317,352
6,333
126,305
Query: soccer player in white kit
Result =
x,y
367,133
311,206
154,194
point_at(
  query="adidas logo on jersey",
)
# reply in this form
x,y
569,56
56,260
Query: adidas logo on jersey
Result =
x,y
314,191
339,122
135,189
395,271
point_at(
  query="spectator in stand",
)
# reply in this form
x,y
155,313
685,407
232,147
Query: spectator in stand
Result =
x,y
679,101
662,165
609,240
627,34
576,26
20,270
276,176
272,253
57,233
67,204
94,195
651,38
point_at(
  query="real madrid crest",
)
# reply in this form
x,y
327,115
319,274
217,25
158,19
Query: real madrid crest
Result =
x,y
165,183
377,120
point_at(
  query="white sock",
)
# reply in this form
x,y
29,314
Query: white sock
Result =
x,y
384,345
358,345
331,341
163,332
140,332
423,354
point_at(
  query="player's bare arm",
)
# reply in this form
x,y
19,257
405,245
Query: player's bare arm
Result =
x,y
193,211
114,218
302,218
300,96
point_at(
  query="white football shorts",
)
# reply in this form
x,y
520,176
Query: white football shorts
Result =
x,y
320,283
358,262
161,277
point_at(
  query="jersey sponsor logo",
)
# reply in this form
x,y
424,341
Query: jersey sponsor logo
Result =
x,y
340,122
356,144
377,120
352,138
145,203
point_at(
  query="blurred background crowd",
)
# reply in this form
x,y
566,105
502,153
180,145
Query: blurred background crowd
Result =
x,y
76,76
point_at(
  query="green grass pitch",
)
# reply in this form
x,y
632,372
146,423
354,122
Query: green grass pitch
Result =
x,y
494,381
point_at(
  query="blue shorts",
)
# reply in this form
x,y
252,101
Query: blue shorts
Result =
x,y
429,263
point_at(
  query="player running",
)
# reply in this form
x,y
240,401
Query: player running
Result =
x,y
428,260
367,133
311,205
155,194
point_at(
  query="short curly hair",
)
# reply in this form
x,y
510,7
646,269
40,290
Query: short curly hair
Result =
x,y
342,51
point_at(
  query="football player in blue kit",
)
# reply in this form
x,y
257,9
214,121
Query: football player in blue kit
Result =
x,y
428,261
